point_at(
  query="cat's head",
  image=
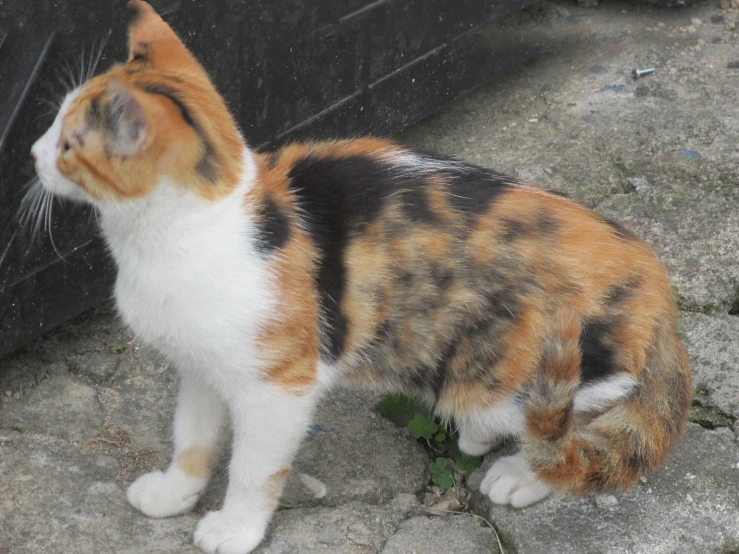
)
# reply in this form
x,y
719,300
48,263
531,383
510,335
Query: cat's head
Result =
x,y
155,117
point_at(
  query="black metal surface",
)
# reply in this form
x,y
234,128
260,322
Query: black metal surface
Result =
x,y
288,68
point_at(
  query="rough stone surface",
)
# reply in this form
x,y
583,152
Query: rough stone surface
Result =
x,y
352,527
713,346
689,505
423,535
60,407
357,454
86,409
58,496
681,227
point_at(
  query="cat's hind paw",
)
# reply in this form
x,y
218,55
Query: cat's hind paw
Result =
x,y
510,481
223,533
159,494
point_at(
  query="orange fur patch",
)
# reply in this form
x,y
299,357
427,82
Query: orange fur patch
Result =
x,y
197,461
272,487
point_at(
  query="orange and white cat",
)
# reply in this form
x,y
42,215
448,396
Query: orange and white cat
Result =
x,y
268,278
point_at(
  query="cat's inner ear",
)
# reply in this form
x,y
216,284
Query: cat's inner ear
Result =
x,y
125,121
153,44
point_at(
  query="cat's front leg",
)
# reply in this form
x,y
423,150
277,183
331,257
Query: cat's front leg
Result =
x,y
268,427
198,429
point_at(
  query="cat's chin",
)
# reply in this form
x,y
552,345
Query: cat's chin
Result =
x,y
64,189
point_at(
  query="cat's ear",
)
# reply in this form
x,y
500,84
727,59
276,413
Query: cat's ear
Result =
x,y
153,43
125,121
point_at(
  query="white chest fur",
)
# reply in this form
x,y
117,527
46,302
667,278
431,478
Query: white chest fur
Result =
x,y
190,282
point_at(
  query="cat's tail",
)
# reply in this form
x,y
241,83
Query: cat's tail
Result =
x,y
581,452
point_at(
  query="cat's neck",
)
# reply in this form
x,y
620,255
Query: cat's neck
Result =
x,y
172,220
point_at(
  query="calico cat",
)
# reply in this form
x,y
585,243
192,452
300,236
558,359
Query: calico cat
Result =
x,y
268,278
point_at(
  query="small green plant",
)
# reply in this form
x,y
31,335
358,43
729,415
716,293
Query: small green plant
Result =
x,y
401,410
467,463
441,473
117,347
439,438
423,426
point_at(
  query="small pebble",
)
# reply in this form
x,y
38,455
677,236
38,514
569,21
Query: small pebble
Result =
x,y
697,22
637,184
8,393
660,24
730,26
643,479
689,498
691,30
533,120
606,501
701,42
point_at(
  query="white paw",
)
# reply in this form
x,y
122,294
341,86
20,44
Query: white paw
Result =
x,y
510,481
470,446
159,494
225,533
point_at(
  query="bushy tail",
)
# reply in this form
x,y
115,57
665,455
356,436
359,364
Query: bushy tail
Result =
x,y
585,452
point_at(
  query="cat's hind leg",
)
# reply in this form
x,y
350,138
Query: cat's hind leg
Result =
x,y
198,428
509,480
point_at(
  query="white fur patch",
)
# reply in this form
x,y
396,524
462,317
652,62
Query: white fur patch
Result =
x,y
46,151
165,494
598,395
478,432
510,481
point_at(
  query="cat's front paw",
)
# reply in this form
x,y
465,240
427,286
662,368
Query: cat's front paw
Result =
x,y
159,494
510,481
228,533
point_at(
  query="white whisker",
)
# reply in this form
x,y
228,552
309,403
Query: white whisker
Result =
x,y
70,73
82,65
49,221
103,43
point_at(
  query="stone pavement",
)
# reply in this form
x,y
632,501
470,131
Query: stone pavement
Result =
x,y
86,409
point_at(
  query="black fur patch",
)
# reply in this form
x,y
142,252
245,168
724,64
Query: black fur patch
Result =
x,y
97,117
142,52
513,229
598,357
547,224
274,227
208,164
438,375
618,294
473,189
133,12
443,277
416,207
339,196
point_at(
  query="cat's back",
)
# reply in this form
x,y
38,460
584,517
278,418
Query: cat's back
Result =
x,y
411,250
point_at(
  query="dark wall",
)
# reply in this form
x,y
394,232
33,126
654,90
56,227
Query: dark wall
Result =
x,y
288,69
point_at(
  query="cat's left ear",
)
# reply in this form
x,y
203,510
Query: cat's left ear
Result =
x,y
152,42
125,121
